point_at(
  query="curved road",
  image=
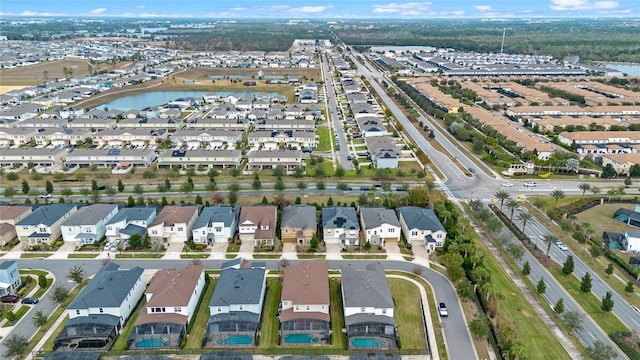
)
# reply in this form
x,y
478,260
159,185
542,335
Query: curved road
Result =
x,y
455,330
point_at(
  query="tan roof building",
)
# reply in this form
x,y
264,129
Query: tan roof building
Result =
x,y
174,223
13,214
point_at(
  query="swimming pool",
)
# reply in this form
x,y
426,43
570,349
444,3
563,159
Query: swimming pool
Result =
x,y
367,342
236,340
152,343
299,338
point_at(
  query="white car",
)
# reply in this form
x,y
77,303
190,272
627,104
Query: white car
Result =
x,y
507,184
530,184
562,246
44,196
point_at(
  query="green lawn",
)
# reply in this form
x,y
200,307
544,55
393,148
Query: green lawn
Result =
x,y
121,340
30,255
201,318
589,302
531,330
270,324
338,338
408,314
82,256
601,218
324,138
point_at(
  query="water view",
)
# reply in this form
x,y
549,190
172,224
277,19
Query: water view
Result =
x,y
629,69
155,98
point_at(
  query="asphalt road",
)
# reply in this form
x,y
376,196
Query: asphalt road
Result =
x,y
626,312
459,342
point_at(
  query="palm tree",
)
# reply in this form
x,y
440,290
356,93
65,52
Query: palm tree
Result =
x,y
524,216
502,196
512,205
584,187
557,194
549,239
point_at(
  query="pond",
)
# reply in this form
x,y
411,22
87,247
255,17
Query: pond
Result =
x,y
629,69
155,98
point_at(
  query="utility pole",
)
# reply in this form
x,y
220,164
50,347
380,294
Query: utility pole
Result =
x,y
504,30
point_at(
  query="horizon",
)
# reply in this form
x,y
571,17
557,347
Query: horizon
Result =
x,y
323,10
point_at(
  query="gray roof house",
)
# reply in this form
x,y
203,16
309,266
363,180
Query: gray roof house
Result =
x,y
368,308
340,225
129,221
236,307
216,224
88,224
421,226
299,224
43,224
104,305
380,225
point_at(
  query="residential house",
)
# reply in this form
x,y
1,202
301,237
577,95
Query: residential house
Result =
x,y
383,151
194,139
304,304
368,308
632,240
174,224
129,221
421,226
88,224
299,224
9,277
289,160
236,307
38,156
98,313
340,226
371,126
42,226
193,159
216,224
109,158
9,217
258,224
380,225
172,297
62,137
16,136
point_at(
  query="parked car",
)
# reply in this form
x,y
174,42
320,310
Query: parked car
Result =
x,y
30,300
472,170
442,309
530,184
11,298
44,196
562,246
507,184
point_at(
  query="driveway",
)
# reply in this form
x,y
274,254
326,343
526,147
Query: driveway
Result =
x,y
289,251
218,250
393,251
334,251
246,250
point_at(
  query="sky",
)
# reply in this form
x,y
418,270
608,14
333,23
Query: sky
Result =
x,y
323,9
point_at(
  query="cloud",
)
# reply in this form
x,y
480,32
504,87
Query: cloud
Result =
x,y
562,5
311,9
483,8
404,9
37,13
98,11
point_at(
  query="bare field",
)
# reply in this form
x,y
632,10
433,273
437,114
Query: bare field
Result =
x,y
6,88
35,74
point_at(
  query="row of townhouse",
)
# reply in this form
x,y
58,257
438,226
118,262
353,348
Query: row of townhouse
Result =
x,y
217,224
101,310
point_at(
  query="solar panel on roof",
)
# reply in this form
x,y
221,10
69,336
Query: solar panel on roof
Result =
x,y
113,152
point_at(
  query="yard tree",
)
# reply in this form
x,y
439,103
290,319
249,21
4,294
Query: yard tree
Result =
x,y
609,270
279,184
94,185
48,187
601,351
140,201
595,190
320,185
627,181
567,267
541,287
198,199
167,182
131,202
15,344
609,172
232,197
9,191
585,283
257,184
339,172
573,319
607,302
301,185
120,186
76,273
479,327
558,308
630,288
515,250
465,289
25,187
526,268
12,176
42,281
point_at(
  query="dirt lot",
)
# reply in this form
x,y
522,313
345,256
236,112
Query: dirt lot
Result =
x,y
34,74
